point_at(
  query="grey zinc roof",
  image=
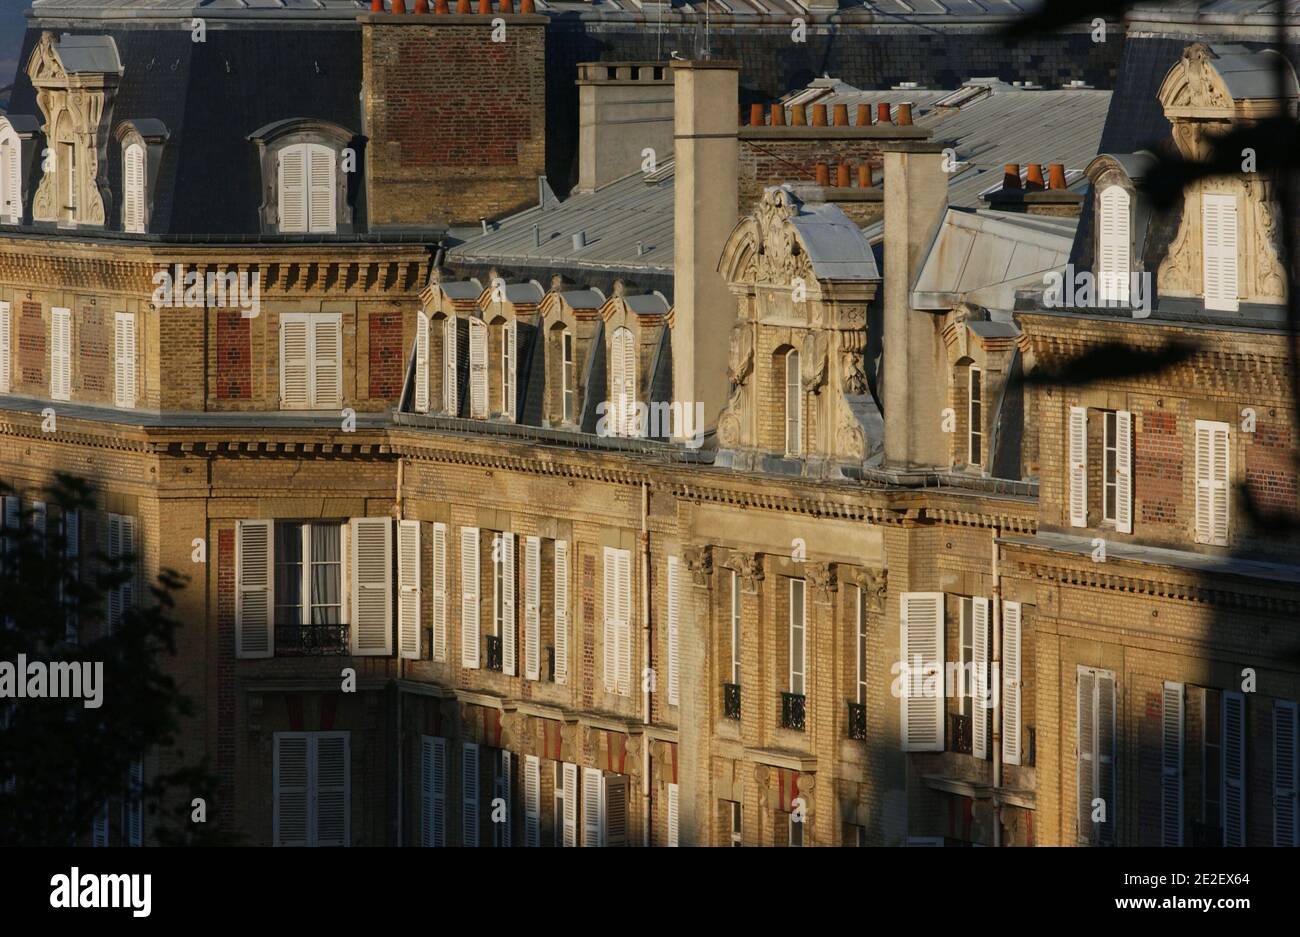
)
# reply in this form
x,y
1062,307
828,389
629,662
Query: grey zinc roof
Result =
x,y
1250,74
584,299
645,304
462,289
82,54
23,123
835,245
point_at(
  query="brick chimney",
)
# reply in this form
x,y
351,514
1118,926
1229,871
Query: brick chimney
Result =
x,y
623,107
452,137
705,209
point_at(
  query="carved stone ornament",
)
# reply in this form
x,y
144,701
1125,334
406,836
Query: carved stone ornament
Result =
x,y
750,568
814,363
823,579
781,257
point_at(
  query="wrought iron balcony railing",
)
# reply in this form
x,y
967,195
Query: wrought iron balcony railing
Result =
x,y
493,652
731,700
858,722
550,663
792,710
959,739
298,640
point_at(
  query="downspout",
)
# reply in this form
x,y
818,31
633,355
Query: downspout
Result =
x,y
401,673
995,677
645,656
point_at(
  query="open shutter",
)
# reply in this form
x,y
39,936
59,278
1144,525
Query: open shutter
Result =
x,y
628,390
674,619
673,836
408,585
440,591
532,801
426,790
469,781
133,186
438,823
11,180
6,372
923,695
1086,751
293,189
980,678
421,362
372,584
327,360
469,604
1171,765
570,819
609,610
624,622
254,621
1106,753
124,359
592,808
509,385
1011,635
332,789
322,181
478,374
1219,250
1234,769
615,813
509,626
532,612
291,789
615,420
1124,472
450,372
60,353
1078,458
561,611
1284,774
295,369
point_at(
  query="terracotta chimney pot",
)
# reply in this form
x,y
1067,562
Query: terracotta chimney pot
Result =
x,y
506,6
1056,176
819,115
399,6
1034,176
485,7
842,175
905,114
864,115
799,116
376,6
1011,176
841,115
462,7
823,174
778,115
756,115
441,7
864,176
882,113
527,7
421,6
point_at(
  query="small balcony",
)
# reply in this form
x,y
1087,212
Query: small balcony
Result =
x,y
959,735
793,707
858,722
731,700
298,640
493,652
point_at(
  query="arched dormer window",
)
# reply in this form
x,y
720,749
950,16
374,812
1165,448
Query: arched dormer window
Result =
x,y
1114,237
133,188
141,142
306,167
793,405
622,382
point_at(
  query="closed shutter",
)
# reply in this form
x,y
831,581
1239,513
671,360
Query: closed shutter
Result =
x,y
438,823
980,681
450,372
674,625
614,819
408,586
323,182
1124,472
623,593
6,372
124,380
40,514
478,374
628,390
295,365
291,789
923,695
1212,453
1234,769
1171,765
469,604
60,353
561,611
469,781
1284,774
505,791
292,193
440,592
332,789
509,390
672,815
532,612
616,404
11,180
532,801
509,627
1078,459
372,584
569,774
426,790
1086,752
10,520
609,610
254,618
1219,250
592,809
421,362
1011,644
1113,244
327,360
133,186
133,812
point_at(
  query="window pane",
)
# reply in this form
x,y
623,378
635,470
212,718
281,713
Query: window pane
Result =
x,y
288,573
326,574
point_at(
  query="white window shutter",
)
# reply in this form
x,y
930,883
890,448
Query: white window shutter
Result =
x,y
478,374
614,819
408,585
254,607
1113,244
1011,646
592,808
292,783
426,790
616,403
440,592
292,193
11,180
469,781
570,819
673,839
1171,765
60,353
1284,774
421,362
322,181
1219,250
372,583
6,367
331,789
438,825
609,609
505,790
1124,472
449,369
1106,754
295,366
624,591
124,379
469,602
674,625
1086,750
980,677
532,801
327,360
1219,478
922,699
509,388
1234,769
509,626
532,610
1078,464
561,611
133,189
1212,469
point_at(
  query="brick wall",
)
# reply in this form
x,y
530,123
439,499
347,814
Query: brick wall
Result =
x,y
1270,471
94,335
765,162
234,376
33,358
1158,468
386,354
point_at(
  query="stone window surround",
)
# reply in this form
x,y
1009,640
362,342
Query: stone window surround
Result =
x,y
274,137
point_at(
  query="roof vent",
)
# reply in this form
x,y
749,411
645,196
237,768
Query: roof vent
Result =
x,y
909,86
1077,83
580,240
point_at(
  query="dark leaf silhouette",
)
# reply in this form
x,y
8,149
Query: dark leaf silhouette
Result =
x,y
1111,361
1059,14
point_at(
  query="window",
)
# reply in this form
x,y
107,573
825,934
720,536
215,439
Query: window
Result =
x,y
1095,770
976,416
312,789
1113,244
1116,493
567,384
797,631
617,608
311,360
860,605
1108,469
433,791
793,405
133,188
124,379
737,839
61,353
922,700
1219,250
622,383
735,627
965,676
604,808
1212,469
307,189
11,179
308,576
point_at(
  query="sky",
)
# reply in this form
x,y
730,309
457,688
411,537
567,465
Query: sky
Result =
x,y
11,37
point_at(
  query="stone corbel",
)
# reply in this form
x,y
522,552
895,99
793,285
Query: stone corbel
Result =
x,y
750,568
824,581
699,560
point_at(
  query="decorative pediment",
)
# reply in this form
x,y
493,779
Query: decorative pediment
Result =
x,y
44,66
1225,83
765,247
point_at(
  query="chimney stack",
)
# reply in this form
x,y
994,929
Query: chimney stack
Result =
x,y
623,108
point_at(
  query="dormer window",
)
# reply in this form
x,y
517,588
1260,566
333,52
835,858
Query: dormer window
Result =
x,y
306,165
307,183
1219,250
1113,240
133,199
11,178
